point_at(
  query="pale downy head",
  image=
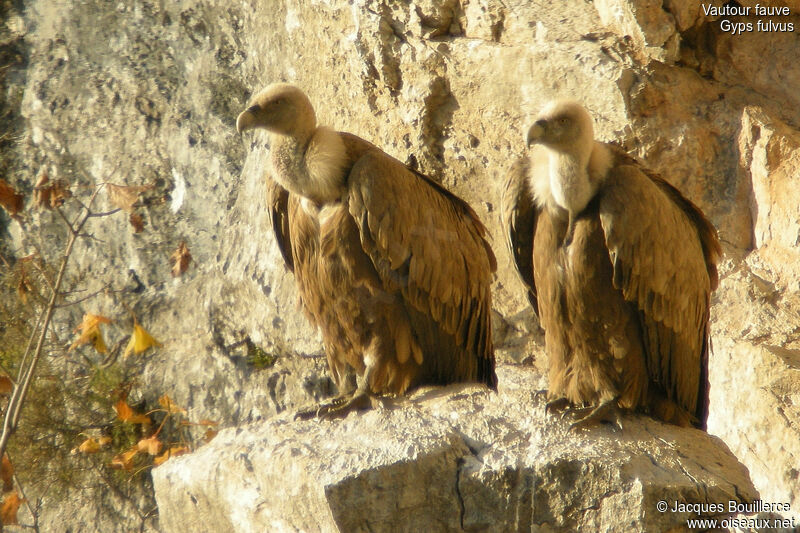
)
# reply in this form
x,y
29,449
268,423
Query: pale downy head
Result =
x,y
564,126
281,108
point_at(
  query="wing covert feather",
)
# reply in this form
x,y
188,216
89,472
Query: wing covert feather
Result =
x,y
278,208
429,244
660,258
519,215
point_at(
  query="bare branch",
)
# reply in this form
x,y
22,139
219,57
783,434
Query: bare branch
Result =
x,y
87,297
105,213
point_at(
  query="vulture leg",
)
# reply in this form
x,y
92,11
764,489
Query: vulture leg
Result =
x,y
608,411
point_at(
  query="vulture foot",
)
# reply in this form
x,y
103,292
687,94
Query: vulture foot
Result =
x,y
339,407
559,405
608,411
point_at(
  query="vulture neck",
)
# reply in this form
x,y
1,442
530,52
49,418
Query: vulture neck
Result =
x,y
312,165
576,176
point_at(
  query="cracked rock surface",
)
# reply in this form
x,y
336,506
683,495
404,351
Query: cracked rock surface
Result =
x,y
459,458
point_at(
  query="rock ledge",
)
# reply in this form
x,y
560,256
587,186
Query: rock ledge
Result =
x,y
454,459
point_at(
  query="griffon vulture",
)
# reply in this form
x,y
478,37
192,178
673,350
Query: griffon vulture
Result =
x,y
619,266
393,268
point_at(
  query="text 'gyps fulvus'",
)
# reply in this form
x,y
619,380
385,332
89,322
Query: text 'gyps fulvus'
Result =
x,y
619,266
393,268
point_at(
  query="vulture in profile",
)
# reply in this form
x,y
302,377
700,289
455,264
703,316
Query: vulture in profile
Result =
x,y
619,267
393,268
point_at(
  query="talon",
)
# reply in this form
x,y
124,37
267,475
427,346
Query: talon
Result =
x,y
338,407
557,405
608,412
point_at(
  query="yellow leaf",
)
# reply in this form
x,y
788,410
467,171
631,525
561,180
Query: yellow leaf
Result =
x,y
90,332
167,403
126,414
140,341
124,460
150,445
92,445
8,511
89,446
172,452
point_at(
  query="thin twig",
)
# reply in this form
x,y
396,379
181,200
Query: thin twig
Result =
x,y
43,273
105,213
88,296
65,219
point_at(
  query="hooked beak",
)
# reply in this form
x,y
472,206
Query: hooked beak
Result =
x,y
536,132
246,119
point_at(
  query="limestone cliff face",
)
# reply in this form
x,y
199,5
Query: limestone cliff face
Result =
x,y
148,92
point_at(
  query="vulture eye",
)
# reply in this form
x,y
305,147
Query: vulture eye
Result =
x,y
253,109
563,121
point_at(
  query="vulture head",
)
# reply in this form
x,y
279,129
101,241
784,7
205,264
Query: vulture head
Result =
x,y
280,108
306,160
564,126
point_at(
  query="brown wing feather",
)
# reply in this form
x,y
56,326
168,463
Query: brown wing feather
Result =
x,y
519,215
278,208
429,245
659,259
712,251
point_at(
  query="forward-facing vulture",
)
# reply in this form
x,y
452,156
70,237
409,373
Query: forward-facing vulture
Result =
x,y
393,268
619,266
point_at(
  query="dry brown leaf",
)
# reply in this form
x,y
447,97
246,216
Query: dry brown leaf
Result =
x,y
124,460
90,332
8,511
7,473
6,386
207,422
60,192
140,341
170,406
126,414
137,222
23,288
50,195
172,452
10,200
150,445
180,259
210,434
125,197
